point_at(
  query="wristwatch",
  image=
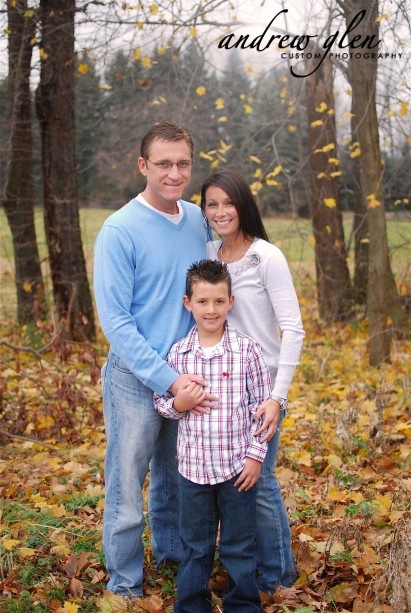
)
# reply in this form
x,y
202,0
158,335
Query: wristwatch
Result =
x,y
281,401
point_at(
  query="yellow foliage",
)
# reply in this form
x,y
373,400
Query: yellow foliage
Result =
x,y
330,202
247,108
201,90
83,68
321,107
193,31
403,108
255,159
146,62
43,54
219,104
153,9
9,544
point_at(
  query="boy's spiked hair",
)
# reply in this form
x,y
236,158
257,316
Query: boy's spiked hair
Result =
x,y
211,271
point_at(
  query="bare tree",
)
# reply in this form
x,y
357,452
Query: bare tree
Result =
x,y
55,110
333,277
18,191
382,297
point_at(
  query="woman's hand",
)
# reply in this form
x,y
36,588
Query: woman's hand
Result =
x,y
271,409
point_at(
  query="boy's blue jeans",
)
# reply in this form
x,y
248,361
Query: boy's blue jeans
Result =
x,y
201,509
137,438
275,560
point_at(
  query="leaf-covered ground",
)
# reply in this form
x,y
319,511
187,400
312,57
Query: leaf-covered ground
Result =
x,y
344,464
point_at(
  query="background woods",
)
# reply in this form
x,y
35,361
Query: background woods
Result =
x,y
327,156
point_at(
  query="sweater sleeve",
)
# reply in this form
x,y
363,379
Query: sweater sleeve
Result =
x,y
113,288
277,280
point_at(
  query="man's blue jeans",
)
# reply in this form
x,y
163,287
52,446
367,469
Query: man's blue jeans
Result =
x,y
137,438
275,560
201,509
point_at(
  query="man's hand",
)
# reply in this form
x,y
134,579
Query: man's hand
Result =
x,y
189,397
271,410
208,401
249,475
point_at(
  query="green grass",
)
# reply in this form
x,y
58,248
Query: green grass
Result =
x,y
293,237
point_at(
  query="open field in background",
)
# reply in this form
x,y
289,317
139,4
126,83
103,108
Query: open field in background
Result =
x,y
293,237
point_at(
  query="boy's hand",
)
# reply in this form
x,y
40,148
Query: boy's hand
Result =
x,y
249,475
209,400
189,397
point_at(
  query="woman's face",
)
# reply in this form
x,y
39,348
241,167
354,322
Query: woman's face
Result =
x,y
221,212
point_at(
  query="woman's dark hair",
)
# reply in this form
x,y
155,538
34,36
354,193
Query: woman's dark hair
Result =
x,y
237,188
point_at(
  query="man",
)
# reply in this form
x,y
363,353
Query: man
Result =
x,y
141,255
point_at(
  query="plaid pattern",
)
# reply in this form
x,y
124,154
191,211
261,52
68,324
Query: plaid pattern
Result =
x,y
212,447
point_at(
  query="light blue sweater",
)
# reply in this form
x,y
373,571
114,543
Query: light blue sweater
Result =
x,y
140,264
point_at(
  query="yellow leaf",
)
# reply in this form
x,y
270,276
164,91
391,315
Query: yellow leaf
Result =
x,y
9,544
330,202
311,240
258,172
214,164
406,200
316,123
222,119
26,552
273,183
43,54
153,9
111,603
404,108
70,607
254,158
334,460
163,50
291,128
355,153
328,147
26,287
139,25
330,112
334,161
321,175
29,13
328,229
347,115
83,68
255,187
335,493
283,92
57,510
381,17
247,108
201,90
337,173
321,107
193,31
104,86
146,62
275,172
219,104
206,156
224,147
196,198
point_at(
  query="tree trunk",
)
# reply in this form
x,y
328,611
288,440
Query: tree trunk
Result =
x,y
55,109
333,278
360,229
382,295
18,192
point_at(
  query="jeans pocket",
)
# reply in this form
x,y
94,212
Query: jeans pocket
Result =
x,y
103,376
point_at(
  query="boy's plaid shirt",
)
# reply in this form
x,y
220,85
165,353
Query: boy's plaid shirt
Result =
x,y
212,447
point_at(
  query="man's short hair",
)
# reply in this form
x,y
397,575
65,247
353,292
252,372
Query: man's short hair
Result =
x,y
211,271
166,131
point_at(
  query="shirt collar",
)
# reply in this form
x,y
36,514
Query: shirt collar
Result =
x,y
229,341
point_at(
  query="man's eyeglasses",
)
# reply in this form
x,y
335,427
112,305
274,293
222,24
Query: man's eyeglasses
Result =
x,y
168,164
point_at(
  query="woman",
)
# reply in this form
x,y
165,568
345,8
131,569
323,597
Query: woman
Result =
x,y
266,309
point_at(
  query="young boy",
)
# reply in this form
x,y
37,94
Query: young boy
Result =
x,y
219,458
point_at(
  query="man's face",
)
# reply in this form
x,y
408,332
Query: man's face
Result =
x,y
165,186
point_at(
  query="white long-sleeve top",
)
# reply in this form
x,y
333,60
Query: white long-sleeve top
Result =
x,y
266,308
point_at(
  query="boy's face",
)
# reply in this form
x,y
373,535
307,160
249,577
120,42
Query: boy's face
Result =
x,y
209,303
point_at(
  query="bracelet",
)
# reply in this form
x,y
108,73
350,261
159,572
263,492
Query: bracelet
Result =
x,y
281,401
